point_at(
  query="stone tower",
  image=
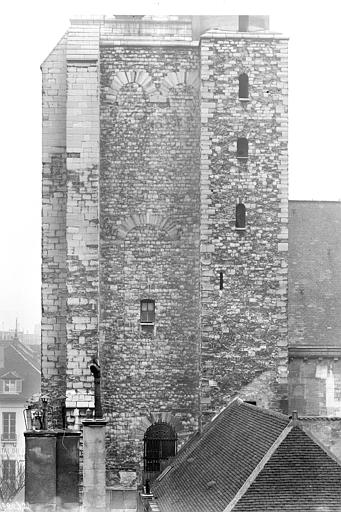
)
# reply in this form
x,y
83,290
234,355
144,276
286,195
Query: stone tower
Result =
x,y
164,223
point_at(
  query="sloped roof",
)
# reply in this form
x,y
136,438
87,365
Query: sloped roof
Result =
x,y
27,354
299,476
209,472
314,274
10,375
19,361
250,459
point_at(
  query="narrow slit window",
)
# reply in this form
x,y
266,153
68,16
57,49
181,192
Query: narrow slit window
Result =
x,y
242,148
240,216
243,86
221,280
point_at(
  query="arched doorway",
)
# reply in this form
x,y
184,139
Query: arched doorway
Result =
x,y
159,445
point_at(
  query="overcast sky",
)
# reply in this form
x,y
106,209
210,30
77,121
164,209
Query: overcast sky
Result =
x,y
29,32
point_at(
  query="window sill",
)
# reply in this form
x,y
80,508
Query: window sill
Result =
x,y
240,229
244,99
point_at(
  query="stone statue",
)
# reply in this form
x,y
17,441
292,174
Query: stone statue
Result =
x,y
96,372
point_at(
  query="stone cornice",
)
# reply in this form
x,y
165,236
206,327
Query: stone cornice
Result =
x,y
314,352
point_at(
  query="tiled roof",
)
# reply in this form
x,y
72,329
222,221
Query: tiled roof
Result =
x,y
210,470
29,355
249,459
299,476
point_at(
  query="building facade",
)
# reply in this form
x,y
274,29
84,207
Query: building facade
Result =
x,y
315,317
19,380
165,213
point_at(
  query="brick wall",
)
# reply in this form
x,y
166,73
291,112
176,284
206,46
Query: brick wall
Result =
x,y
244,326
149,237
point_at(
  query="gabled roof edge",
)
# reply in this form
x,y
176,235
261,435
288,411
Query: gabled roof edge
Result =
x,y
229,404
258,468
319,443
53,49
25,359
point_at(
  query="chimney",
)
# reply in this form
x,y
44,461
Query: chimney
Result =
x,y
294,418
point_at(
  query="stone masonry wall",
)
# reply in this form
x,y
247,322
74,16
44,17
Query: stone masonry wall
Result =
x,y
53,331
315,307
327,431
82,211
82,230
149,218
315,385
244,325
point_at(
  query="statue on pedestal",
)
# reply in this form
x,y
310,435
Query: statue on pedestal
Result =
x,y
96,372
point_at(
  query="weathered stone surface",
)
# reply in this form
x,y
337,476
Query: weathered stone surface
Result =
x,y
244,326
94,482
149,192
144,185
54,292
326,430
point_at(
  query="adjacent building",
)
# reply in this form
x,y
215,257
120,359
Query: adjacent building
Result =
x,y
315,317
19,380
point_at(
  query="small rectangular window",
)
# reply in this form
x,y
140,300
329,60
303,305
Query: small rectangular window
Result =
x,y
10,386
242,148
8,426
147,316
243,23
147,311
243,86
240,216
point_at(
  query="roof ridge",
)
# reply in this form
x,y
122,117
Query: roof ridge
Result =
x,y
25,356
268,412
259,468
184,454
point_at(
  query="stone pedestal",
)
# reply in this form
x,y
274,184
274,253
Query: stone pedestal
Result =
x,y
94,488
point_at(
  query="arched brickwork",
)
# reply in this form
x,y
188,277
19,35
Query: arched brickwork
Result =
x,y
154,417
189,78
144,80
166,224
